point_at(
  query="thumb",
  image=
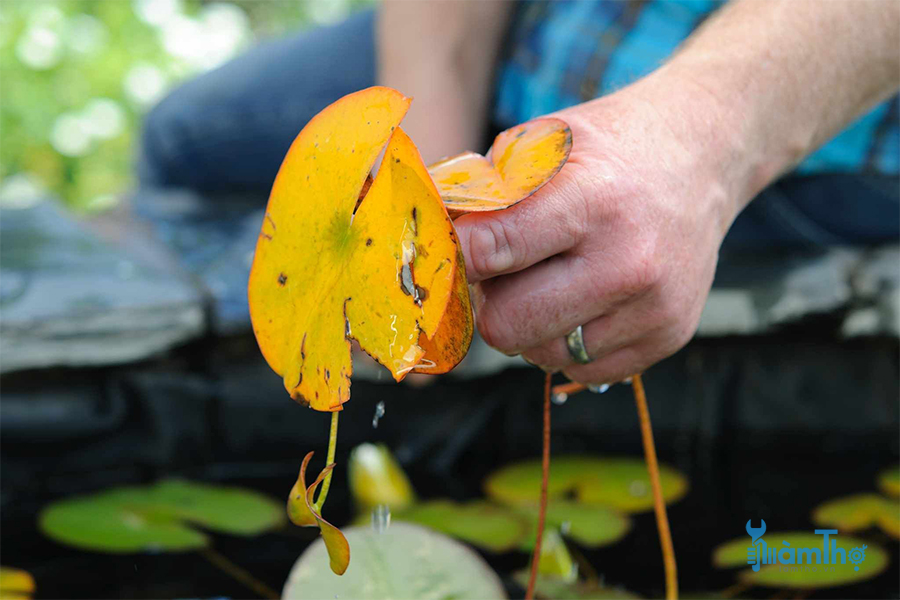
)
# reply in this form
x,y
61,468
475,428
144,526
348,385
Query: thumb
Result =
x,y
551,221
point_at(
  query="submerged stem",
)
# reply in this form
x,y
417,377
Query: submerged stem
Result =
x,y
659,505
239,574
332,445
545,476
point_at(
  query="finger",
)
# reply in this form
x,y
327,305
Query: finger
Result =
x,y
531,308
613,368
500,242
602,336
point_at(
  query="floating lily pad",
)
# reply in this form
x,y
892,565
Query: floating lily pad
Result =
x,y
403,561
550,588
377,478
589,525
620,483
889,481
479,523
734,554
161,517
15,584
861,511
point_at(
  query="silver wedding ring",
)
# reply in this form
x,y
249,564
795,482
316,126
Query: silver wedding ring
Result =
x,y
575,344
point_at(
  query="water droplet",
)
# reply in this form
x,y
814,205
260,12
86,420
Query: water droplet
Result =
x,y
599,389
381,518
379,412
559,398
638,489
626,380
565,527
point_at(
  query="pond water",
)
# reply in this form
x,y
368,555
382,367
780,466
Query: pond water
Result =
x,y
449,436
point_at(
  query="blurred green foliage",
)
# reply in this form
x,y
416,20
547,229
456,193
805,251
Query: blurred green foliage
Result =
x,y
76,77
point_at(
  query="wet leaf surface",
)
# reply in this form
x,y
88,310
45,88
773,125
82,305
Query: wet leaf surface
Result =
x,y
329,268
619,483
404,561
521,161
734,554
165,517
860,511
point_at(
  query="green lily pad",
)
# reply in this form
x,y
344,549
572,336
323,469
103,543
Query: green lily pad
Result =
x,y
479,523
734,554
550,588
861,511
620,483
889,481
158,517
593,526
403,561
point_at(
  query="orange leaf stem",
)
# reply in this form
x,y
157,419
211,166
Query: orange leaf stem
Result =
x,y
545,477
659,505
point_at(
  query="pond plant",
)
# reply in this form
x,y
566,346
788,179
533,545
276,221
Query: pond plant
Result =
x,y
344,256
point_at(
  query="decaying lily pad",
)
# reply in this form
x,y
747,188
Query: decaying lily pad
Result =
x,y
860,511
161,517
734,554
403,561
620,483
481,524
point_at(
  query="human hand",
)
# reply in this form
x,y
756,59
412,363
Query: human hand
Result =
x,y
624,240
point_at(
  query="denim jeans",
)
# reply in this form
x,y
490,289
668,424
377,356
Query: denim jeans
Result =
x,y
227,132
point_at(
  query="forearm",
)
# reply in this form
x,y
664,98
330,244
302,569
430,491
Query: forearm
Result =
x,y
785,76
443,53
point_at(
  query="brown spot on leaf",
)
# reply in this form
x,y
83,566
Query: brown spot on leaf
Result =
x,y
282,279
369,242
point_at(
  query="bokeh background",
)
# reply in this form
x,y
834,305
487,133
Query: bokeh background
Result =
x,y
78,75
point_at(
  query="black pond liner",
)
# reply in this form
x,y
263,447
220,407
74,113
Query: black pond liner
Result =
x,y
763,428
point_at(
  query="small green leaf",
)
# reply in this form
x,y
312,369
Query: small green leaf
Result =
x,y
549,588
403,561
479,523
589,525
157,517
734,554
377,478
620,483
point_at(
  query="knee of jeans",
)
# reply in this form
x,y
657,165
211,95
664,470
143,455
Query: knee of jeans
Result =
x,y
164,148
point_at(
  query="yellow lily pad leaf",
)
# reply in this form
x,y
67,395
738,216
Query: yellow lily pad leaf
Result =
x,y
861,511
889,481
619,483
862,560
522,159
330,268
15,584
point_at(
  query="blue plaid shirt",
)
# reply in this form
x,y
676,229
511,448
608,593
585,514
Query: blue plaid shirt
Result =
x,y
566,52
